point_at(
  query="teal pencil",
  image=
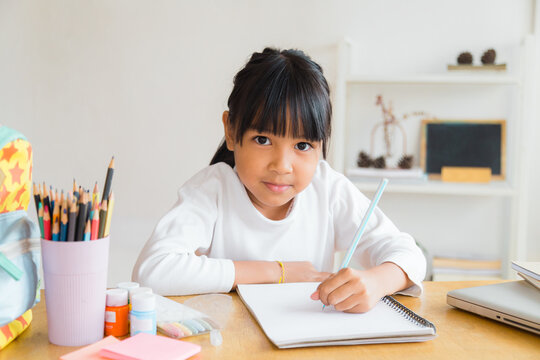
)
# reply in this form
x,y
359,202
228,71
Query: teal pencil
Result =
x,y
56,230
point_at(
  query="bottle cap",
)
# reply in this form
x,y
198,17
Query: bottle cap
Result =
x,y
143,302
127,285
139,290
117,297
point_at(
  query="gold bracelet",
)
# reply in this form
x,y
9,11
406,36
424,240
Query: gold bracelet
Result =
x,y
282,278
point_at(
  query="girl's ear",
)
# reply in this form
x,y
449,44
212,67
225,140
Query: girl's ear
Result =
x,y
229,134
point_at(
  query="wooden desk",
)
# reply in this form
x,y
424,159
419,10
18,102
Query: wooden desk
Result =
x,y
460,336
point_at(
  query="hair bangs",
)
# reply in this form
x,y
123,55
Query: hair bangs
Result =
x,y
284,105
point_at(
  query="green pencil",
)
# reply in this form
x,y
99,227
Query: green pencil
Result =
x,y
40,218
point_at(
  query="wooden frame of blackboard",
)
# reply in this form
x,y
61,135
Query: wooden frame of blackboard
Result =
x,y
501,156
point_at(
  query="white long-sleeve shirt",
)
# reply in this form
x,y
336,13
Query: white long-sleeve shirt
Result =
x,y
214,223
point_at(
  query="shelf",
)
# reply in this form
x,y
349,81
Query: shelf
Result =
x,y
442,79
439,188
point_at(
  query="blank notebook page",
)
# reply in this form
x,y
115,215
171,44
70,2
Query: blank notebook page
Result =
x,y
288,314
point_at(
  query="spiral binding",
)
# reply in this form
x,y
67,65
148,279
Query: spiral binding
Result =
x,y
407,313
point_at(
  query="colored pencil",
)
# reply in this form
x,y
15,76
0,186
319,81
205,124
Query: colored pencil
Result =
x,y
56,212
102,218
95,195
108,181
87,231
69,199
46,202
64,224
72,223
40,218
95,222
363,223
52,199
110,208
46,224
75,190
81,218
56,229
37,197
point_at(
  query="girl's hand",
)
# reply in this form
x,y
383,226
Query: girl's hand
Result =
x,y
356,291
350,290
303,271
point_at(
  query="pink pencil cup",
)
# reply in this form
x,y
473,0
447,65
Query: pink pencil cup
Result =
x,y
75,283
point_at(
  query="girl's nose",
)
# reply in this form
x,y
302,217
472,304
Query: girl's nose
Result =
x,y
281,162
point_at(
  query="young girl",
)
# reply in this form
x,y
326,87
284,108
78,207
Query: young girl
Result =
x,y
270,209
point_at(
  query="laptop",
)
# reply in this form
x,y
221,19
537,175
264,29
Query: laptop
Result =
x,y
515,303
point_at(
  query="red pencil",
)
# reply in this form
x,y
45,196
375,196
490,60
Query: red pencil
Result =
x,y
46,223
95,222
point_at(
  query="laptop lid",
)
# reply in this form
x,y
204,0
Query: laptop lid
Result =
x,y
515,303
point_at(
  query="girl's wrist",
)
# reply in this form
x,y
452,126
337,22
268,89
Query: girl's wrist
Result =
x,y
282,272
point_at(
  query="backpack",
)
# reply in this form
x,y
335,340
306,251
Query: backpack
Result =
x,y
19,237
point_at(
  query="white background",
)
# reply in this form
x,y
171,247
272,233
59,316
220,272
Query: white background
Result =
x,y
147,81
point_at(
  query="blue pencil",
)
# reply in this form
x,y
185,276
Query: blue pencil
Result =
x,y
362,226
63,225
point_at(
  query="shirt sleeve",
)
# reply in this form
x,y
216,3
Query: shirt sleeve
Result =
x,y
381,241
168,262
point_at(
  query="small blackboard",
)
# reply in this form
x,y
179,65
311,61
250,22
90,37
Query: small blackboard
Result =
x,y
464,144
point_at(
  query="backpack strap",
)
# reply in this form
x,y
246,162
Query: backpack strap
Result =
x,y
8,135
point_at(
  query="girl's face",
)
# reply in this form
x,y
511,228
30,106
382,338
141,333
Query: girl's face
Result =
x,y
274,169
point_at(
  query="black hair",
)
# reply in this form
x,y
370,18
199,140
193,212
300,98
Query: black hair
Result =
x,y
272,85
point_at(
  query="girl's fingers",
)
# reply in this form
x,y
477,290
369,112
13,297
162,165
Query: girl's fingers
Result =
x,y
343,293
332,283
356,303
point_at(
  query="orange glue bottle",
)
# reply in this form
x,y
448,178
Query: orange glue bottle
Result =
x,y
116,312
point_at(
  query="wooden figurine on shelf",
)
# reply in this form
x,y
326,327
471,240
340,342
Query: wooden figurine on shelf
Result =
x,y
389,124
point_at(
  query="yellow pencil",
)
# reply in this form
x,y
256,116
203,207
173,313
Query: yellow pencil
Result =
x,y
109,214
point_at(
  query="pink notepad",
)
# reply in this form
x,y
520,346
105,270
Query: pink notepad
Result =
x,y
90,352
150,347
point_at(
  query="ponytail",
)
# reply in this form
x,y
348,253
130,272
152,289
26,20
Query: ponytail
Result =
x,y
223,155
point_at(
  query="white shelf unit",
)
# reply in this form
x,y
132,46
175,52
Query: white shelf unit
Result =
x,y
435,187
515,189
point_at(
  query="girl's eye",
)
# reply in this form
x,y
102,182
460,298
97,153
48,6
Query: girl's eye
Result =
x,y
262,140
303,146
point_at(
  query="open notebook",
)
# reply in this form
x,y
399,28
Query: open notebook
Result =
x,y
291,319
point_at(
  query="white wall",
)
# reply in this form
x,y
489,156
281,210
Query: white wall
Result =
x,y
146,81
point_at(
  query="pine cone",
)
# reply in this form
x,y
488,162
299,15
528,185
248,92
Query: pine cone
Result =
x,y
379,163
364,160
465,58
405,162
489,57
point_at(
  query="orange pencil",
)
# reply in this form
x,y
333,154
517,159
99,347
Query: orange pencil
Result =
x,y
95,222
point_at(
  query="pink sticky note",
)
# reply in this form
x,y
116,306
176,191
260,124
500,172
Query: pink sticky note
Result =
x,y
145,346
90,352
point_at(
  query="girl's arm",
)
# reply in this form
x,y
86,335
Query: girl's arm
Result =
x,y
269,272
168,262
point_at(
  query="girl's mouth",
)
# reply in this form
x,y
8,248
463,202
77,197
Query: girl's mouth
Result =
x,y
277,188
